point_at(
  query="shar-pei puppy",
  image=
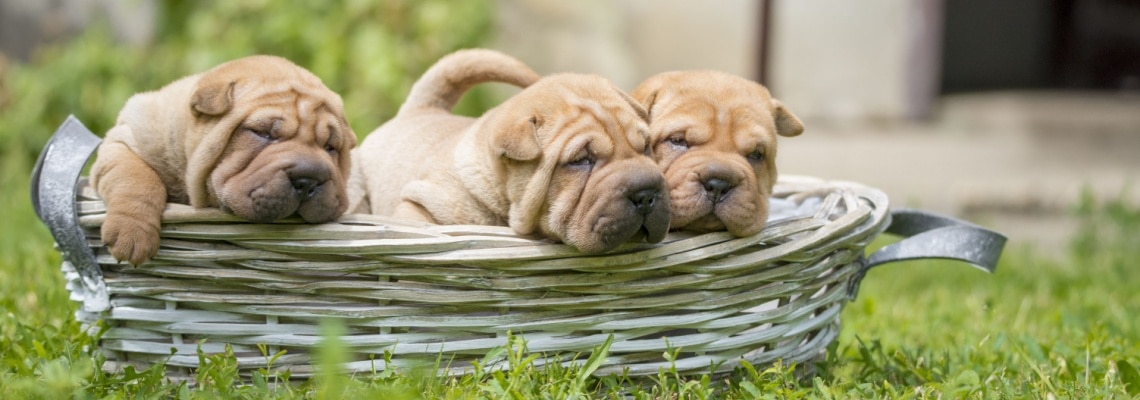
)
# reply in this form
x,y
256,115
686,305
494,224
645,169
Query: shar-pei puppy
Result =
x,y
714,136
259,137
565,158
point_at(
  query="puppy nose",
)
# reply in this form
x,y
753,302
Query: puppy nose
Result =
x,y
717,187
305,186
307,178
644,200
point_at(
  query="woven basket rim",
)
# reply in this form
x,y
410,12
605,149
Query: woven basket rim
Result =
x,y
456,290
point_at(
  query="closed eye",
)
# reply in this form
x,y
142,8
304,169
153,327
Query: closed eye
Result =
x,y
677,140
585,160
261,133
756,156
332,139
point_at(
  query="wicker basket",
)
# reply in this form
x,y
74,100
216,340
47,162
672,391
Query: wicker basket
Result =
x,y
450,294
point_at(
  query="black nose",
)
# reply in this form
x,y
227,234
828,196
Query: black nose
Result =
x,y
643,200
717,188
305,186
307,178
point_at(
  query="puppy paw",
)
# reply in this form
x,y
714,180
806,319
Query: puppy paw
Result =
x,y
130,239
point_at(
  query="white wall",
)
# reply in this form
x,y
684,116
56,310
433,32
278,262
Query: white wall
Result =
x,y
629,40
837,60
846,60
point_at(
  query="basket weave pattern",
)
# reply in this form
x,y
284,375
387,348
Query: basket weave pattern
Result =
x,y
449,294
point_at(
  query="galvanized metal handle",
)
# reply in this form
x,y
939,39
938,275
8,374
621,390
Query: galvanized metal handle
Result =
x,y
932,236
53,190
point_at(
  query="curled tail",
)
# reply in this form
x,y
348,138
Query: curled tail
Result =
x,y
450,77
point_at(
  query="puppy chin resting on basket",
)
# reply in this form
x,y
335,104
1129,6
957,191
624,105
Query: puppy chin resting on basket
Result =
x,y
565,158
259,137
713,135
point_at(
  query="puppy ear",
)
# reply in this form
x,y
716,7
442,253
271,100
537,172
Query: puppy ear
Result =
x,y
519,141
646,95
213,98
786,123
526,207
642,111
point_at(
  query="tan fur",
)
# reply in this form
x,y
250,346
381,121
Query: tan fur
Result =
x,y
703,127
239,137
513,166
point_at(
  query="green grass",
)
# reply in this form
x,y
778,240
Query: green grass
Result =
x,y
1038,328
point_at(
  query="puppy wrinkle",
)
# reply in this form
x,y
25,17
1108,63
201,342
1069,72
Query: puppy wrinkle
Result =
x,y
724,119
577,134
303,105
640,110
650,103
561,134
614,120
684,124
446,81
595,110
524,215
634,130
525,212
317,125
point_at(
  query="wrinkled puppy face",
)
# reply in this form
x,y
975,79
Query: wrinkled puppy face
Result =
x,y
288,143
577,165
714,137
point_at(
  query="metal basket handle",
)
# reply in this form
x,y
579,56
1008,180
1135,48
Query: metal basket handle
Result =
x,y
53,190
932,236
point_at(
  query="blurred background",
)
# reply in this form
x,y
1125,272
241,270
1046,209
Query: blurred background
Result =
x,y
1006,113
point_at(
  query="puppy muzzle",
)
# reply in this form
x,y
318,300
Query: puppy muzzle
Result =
x,y
307,179
650,201
653,205
319,201
718,181
712,196
305,189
